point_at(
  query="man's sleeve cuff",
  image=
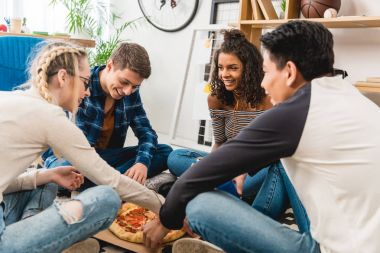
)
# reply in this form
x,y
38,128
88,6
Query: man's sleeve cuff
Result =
x,y
143,160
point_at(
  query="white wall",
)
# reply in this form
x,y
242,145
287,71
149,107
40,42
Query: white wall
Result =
x,y
357,51
168,54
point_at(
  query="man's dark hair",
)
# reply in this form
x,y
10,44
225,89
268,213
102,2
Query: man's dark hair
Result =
x,y
250,87
308,44
133,57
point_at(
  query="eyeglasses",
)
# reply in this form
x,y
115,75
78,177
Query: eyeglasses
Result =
x,y
86,82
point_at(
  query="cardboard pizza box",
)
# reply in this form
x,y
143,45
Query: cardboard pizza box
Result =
x,y
107,236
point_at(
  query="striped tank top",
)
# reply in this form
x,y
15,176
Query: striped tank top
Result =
x,y
226,124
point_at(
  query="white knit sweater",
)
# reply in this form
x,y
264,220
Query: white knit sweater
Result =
x,y
29,125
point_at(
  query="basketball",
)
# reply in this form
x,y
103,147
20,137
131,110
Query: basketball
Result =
x,y
316,8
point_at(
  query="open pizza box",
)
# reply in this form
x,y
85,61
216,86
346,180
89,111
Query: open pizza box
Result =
x,y
107,236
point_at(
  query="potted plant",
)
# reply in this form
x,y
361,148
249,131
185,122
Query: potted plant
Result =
x,y
105,47
90,17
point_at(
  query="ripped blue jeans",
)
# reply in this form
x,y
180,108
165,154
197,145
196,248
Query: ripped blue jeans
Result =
x,y
23,204
49,231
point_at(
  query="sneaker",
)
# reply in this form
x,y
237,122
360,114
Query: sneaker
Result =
x,y
160,182
193,245
89,245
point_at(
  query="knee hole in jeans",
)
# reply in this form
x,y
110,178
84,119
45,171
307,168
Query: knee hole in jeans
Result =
x,y
71,211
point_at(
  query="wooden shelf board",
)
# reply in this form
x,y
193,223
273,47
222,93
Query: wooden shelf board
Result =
x,y
81,42
368,89
368,86
340,22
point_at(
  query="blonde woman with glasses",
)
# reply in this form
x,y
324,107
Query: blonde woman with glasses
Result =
x,y
31,121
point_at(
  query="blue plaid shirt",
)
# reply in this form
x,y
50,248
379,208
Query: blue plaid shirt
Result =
x,y
128,111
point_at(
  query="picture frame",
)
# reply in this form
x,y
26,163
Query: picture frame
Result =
x,y
189,129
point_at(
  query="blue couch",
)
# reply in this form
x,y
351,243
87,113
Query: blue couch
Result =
x,y
14,53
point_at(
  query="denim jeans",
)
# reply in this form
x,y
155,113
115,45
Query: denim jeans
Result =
x,y
236,227
299,210
181,159
23,204
272,198
49,232
122,159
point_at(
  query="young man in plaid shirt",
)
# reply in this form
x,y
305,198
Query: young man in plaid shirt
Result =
x,y
115,105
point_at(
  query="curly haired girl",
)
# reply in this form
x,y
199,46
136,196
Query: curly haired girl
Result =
x,y
236,99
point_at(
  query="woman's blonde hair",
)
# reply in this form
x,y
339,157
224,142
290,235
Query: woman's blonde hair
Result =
x,y
50,58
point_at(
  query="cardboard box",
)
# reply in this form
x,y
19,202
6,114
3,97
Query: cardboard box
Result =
x,y
107,236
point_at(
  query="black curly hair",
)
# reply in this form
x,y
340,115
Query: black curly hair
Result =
x,y
249,88
308,44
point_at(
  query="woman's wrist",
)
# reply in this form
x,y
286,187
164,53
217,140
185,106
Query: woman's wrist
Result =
x,y
45,176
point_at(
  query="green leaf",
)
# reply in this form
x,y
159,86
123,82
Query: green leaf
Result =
x,y
91,17
283,5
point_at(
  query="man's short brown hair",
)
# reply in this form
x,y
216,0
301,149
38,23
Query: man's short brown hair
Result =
x,y
133,57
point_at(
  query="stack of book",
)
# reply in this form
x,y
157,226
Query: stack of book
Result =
x,y
372,84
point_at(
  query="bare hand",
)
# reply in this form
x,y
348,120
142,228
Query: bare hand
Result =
x,y
67,177
154,232
239,183
138,172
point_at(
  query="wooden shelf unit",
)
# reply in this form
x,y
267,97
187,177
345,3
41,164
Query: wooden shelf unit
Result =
x,y
339,22
368,87
251,24
81,42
